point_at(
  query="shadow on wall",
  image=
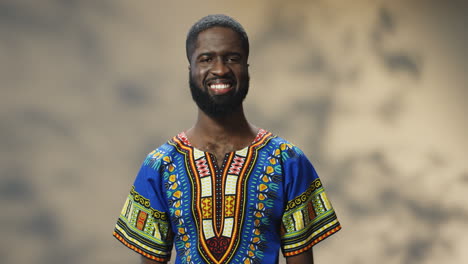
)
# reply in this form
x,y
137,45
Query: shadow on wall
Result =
x,y
48,122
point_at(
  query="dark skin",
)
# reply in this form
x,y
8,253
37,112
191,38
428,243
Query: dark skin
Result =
x,y
219,54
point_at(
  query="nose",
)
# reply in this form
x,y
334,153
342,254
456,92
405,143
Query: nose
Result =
x,y
220,68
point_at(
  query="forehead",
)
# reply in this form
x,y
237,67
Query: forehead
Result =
x,y
218,39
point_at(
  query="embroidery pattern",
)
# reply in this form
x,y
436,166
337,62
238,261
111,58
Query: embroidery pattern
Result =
x,y
312,208
175,194
267,192
143,228
218,196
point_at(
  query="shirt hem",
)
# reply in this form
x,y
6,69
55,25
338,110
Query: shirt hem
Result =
x,y
138,250
313,243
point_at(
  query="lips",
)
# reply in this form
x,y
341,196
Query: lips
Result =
x,y
220,87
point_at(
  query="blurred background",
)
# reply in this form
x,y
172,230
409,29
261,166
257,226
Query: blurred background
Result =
x,y
373,91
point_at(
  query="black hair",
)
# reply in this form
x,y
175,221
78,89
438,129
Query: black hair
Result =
x,y
210,21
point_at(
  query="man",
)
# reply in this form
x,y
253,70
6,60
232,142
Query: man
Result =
x,y
224,191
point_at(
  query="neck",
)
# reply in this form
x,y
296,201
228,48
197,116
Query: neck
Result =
x,y
233,128
230,125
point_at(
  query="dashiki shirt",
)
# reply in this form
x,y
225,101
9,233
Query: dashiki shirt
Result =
x,y
263,198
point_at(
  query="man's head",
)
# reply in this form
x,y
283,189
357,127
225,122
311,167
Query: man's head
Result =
x,y
217,50
211,21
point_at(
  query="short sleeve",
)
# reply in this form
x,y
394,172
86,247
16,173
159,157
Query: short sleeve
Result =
x,y
143,224
308,217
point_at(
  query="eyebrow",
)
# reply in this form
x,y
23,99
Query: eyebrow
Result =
x,y
226,54
205,54
233,53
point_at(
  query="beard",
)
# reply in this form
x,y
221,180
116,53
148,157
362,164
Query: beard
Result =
x,y
218,105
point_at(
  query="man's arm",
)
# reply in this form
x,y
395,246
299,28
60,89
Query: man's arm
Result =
x,y
303,258
149,261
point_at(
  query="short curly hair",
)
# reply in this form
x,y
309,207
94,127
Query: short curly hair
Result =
x,y
217,20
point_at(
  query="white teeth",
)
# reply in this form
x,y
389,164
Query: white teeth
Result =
x,y
219,86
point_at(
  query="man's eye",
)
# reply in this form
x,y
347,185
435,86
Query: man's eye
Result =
x,y
206,59
233,59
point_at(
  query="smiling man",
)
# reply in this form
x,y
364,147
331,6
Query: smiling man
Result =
x,y
224,191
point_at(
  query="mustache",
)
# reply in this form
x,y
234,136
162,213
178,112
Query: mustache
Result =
x,y
219,79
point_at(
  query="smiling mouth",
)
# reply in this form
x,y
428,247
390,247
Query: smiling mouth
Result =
x,y
220,87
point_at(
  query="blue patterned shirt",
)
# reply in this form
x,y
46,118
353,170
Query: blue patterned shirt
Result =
x,y
263,198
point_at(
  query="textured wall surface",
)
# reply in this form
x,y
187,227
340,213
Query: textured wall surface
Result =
x,y
373,91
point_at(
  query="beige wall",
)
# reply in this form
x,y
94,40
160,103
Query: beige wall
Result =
x,y
373,91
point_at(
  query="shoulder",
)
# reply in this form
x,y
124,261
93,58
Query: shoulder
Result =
x,y
285,148
163,154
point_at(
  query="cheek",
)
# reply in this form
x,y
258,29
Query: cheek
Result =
x,y
199,74
196,75
242,73
244,69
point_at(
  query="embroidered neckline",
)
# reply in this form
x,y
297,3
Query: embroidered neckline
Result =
x,y
218,194
185,141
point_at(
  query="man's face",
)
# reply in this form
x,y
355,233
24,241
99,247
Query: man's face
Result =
x,y
219,77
